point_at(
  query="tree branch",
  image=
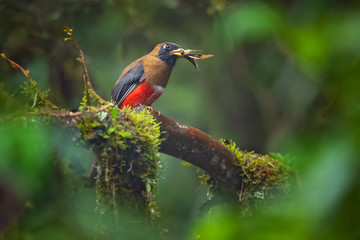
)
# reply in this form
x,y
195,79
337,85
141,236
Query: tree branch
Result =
x,y
202,150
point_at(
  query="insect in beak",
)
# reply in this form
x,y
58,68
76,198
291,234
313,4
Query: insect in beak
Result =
x,y
190,55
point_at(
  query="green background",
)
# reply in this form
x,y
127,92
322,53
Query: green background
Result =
x,y
285,78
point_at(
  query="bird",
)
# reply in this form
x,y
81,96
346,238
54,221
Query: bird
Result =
x,y
144,80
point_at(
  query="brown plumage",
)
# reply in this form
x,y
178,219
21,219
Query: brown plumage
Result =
x,y
144,80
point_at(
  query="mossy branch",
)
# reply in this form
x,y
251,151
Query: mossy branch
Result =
x,y
219,160
247,174
126,142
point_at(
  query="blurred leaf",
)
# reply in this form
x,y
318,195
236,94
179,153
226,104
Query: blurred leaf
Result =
x,y
125,134
310,48
328,178
282,158
26,156
340,33
251,22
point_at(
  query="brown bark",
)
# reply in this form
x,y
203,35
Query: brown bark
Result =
x,y
202,150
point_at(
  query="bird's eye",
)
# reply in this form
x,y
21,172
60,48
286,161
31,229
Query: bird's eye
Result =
x,y
167,46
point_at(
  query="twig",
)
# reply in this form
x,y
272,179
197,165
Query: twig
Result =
x,y
29,79
115,204
87,81
67,113
92,167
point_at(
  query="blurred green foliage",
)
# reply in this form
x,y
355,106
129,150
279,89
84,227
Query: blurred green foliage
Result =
x,y
285,78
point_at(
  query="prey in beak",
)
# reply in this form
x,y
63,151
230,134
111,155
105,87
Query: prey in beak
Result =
x,y
190,55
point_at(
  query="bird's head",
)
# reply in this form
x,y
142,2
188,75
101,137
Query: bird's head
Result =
x,y
164,52
170,52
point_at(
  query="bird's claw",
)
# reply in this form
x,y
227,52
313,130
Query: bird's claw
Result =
x,y
150,109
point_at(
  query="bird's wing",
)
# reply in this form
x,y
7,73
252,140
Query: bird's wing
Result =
x,y
127,83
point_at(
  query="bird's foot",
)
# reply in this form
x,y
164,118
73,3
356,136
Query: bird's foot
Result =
x,y
150,109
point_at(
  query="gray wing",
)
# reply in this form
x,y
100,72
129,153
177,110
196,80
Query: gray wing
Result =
x,y
127,84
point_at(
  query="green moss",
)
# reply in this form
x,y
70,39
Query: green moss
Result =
x,y
264,177
31,89
86,126
126,144
203,176
187,164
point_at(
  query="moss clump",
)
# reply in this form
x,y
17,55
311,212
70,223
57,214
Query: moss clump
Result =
x,y
125,143
263,176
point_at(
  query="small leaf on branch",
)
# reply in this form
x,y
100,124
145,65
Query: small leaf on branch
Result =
x,y
125,134
35,100
68,30
30,87
115,112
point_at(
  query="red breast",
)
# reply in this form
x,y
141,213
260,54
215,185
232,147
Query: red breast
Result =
x,y
145,94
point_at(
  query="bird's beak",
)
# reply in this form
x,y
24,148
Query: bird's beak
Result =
x,y
180,52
